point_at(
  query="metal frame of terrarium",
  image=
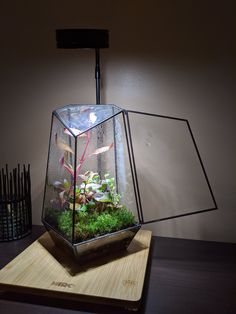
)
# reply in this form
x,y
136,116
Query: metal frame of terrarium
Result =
x,y
87,246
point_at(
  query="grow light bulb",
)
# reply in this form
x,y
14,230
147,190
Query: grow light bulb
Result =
x,y
92,117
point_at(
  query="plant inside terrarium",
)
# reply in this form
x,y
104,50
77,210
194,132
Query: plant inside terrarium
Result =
x,y
93,204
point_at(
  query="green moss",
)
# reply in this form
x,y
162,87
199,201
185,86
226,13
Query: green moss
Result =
x,y
65,220
91,225
97,208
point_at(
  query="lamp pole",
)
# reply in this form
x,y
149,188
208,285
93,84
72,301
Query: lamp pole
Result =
x,y
97,75
80,38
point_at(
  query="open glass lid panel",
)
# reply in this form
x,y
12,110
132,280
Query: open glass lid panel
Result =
x,y
171,179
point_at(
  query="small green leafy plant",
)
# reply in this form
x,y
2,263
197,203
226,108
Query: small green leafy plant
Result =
x,y
97,209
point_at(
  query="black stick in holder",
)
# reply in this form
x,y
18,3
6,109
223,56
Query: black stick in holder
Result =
x,y
15,203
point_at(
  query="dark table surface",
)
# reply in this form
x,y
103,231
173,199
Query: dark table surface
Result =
x,y
183,276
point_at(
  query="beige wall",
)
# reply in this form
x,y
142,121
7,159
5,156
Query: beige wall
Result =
x,y
167,57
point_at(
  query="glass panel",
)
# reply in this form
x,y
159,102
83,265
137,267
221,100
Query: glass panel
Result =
x,y
170,176
105,200
59,181
79,118
124,175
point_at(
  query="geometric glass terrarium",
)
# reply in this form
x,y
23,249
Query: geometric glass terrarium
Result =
x,y
111,170
90,202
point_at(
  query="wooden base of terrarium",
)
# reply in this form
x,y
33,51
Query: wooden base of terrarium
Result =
x,y
43,270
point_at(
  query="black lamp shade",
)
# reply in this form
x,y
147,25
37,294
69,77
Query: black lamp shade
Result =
x,y
82,38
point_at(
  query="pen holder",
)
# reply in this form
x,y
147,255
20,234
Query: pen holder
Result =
x,y
15,203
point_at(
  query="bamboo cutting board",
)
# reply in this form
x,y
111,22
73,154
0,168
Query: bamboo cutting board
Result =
x,y
42,269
